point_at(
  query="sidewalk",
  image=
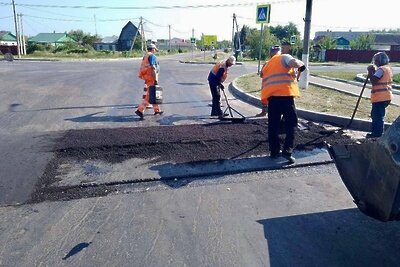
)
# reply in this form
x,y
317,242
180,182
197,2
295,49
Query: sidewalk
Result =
x,y
349,87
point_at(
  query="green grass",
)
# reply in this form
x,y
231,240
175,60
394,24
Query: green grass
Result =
x,y
323,100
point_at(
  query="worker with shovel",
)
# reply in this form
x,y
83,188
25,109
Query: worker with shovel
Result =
x,y
381,77
279,88
216,77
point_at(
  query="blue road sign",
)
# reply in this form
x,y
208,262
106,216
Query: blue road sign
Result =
x,y
263,12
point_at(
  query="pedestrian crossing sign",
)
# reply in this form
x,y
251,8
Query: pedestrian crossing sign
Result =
x,y
263,12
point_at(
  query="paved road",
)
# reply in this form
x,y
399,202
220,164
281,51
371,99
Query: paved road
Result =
x,y
288,217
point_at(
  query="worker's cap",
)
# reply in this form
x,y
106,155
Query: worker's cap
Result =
x,y
274,49
152,46
232,60
153,41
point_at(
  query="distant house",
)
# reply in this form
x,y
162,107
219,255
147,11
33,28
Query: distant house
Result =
x,y
107,43
383,41
54,39
8,43
180,43
342,43
128,33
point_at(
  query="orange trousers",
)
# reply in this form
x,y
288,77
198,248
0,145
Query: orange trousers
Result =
x,y
145,102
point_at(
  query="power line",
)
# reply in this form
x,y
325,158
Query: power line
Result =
x,y
153,7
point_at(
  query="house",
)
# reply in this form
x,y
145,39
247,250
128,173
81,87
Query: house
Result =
x,y
53,39
180,43
8,43
128,33
383,41
107,43
342,43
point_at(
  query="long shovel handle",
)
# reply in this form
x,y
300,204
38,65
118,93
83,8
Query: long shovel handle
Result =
x,y
358,102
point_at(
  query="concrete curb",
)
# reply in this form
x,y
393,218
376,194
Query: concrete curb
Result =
x,y
341,121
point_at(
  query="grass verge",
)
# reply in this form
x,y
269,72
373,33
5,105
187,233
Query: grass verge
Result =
x,y
323,100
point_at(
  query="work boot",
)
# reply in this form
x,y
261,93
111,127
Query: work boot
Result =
x,y
274,155
221,116
261,114
371,135
158,112
289,157
140,114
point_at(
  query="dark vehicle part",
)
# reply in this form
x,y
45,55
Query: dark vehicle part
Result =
x,y
371,173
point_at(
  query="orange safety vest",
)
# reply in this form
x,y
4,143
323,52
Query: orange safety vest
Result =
x,y
217,66
146,70
382,90
278,80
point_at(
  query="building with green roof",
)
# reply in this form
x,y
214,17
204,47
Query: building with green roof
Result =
x,y
54,39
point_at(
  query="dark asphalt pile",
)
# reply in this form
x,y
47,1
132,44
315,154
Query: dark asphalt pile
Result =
x,y
174,144
187,143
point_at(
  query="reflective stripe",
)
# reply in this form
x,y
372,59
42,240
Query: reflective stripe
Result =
x,y
278,82
277,75
380,90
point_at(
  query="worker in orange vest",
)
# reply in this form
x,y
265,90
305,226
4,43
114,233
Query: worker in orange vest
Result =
x,y
148,72
272,52
381,77
279,88
216,77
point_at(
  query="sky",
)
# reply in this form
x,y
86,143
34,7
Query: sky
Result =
x,y
107,18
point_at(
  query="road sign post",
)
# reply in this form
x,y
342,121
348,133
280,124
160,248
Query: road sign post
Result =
x,y
262,16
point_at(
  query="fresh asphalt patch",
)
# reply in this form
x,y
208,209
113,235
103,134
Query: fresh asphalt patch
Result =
x,y
95,162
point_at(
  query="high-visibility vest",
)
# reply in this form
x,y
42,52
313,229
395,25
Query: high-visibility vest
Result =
x,y
216,68
146,70
278,80
382,90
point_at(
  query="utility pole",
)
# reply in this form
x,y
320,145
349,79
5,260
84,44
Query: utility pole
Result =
x,y
95,23
233,31
22,37
16,29
134,38
169,38
259,51
303,83
191,44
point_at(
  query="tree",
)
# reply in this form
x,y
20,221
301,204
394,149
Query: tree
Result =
x,y
327,42
363,42
285,32
82,38
253,40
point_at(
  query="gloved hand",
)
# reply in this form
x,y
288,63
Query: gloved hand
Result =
x,y
222,86
155,82
302,68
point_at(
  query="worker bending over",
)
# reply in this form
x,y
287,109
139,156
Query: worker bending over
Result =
x,y
216,77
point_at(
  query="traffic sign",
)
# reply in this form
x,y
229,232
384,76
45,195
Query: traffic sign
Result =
x,y
209,39
193,40
263,12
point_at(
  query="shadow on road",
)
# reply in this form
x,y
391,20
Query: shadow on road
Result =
x,y
334,238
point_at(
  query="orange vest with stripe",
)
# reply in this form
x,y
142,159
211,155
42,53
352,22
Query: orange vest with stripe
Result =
x,y
382,90
146,70
278,80
216,68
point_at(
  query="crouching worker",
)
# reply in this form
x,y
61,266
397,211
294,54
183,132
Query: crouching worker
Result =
x,y
216,77
381,77
148,72
279,88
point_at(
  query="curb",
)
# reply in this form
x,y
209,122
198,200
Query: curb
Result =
x,y
341,121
